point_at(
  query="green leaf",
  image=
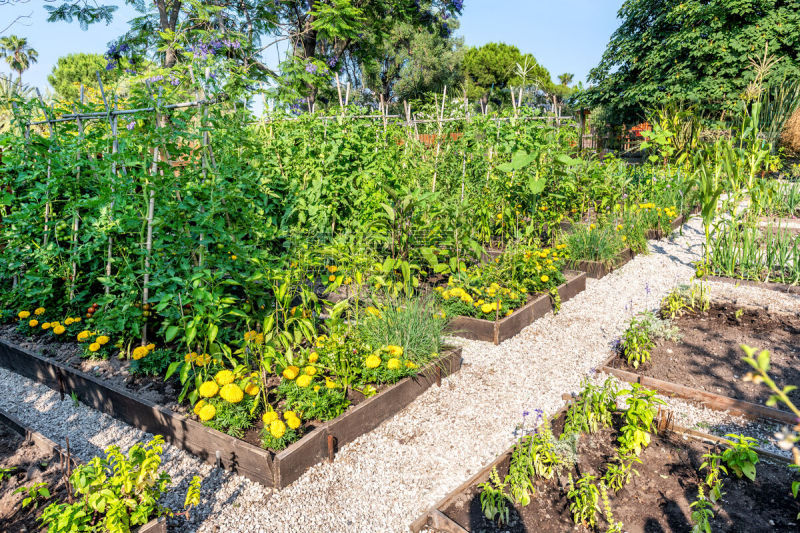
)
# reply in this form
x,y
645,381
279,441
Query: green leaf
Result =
x,y
172,331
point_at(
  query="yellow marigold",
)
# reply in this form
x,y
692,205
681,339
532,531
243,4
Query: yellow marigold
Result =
x,y
202,360
76,319
208,389
59,329
24,314
290,372
39,311
277,428
207,412
331,278
545,278
46,325
393,363
329,383
231,393
304,381
487,308
252,389
199,405
332,268
224,377
624,238
373,361
310,370
372,311
313,357
293,422
94,347
102,339
394,351
82,336
150,347
268,417
139,352
250,335
69,320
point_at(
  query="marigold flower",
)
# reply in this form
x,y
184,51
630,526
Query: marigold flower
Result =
x,y
207,412
198,406
224,377
332,268
329,383
150,347
94,347
310,370
487,308
59,329
313,357
373,361
208,389
46,325
39,311
69,320
139,352
372,311
24,314
268,417
102,339
393,363
331,278
252,389
76,319
290,372
82,336
545,278
394,351
277,428
293,422
231,393
410,364
304,381
202,360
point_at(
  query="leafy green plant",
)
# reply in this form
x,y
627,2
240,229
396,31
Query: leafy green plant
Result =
x,y
686,298
619,472
638,418
117,491
494,499
613,525
740,455
534,456
637,342
584,497
713,479
701,512
36,493
592,409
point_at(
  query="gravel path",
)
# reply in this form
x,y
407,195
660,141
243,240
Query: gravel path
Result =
x,y
385,479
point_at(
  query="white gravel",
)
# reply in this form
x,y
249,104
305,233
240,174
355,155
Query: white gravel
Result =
x,y
387,478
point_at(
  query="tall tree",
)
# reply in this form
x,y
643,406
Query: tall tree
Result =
x,y
691,52
491,69
565,79
18,54
73,70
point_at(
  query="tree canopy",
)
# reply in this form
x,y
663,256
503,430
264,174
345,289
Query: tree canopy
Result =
x,y
75,69
692,52
492,68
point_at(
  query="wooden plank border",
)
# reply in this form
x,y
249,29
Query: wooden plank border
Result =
x,y
707,399
598,269
505,328
259,465
767,285
157,525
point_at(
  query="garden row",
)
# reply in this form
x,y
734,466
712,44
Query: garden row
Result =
x,y
613,460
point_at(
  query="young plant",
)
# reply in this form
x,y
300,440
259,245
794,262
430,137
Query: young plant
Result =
x,y
584,496
34,494
494,499
593,408
701,512
639,419
637,342
534,456
740,456
686,298
613,525
619,472
713,479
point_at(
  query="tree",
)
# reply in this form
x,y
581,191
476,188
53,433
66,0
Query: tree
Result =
x,y
18,54
691,53
565,79
492,68
75,69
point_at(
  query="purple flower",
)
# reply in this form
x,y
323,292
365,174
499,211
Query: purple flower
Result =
x,y
525,413
130,125
153,79
332,62
647,288
311,68
111,65
458,5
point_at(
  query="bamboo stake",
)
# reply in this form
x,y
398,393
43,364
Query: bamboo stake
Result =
x,y
112,122
47,206
75,219
151,208
438,139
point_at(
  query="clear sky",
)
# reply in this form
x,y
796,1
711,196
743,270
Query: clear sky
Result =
x,y
564,36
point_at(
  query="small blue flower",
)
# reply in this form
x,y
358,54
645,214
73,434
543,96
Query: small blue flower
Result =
x,y
311,68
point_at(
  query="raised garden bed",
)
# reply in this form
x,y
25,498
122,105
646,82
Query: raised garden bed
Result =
x,y
780,287
35,459
655,234
657,499
598,269
777,224
263,466
706,365
505,328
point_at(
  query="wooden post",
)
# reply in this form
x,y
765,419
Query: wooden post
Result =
x,y
438,138
47,207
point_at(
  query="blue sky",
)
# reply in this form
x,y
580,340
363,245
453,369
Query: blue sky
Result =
x,y
565,36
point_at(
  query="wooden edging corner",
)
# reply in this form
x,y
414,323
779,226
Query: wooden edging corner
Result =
x,y
539,305
157,525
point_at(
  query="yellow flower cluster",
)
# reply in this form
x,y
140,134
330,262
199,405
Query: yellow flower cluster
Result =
x,y
69,320
84,335
23,314
195,359
254,337
39,311
141,351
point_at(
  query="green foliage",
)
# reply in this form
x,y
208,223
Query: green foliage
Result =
x,y
491,69
584,496
701,512
233,418
691,52
686,298
740,456
34,494
713,480
75,69
18,54
534,456
640,335
193,493
495,501
117,491
408,322
592,409
638,417
592,243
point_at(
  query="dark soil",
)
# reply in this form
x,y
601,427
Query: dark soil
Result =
x,y
708,356
655,501
30,465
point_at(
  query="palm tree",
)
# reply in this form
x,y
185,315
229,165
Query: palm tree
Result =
x,y
566,78
10,91
18,54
